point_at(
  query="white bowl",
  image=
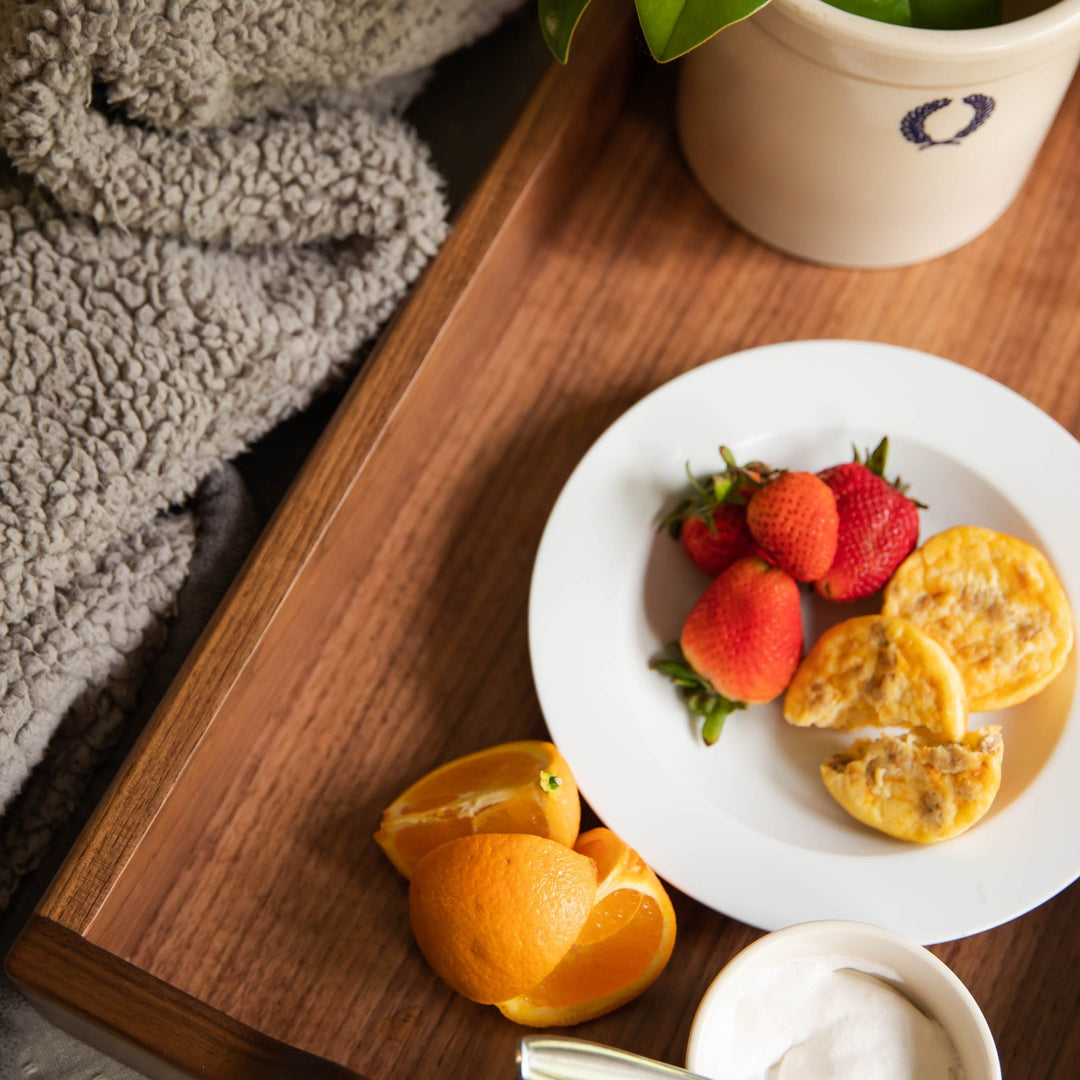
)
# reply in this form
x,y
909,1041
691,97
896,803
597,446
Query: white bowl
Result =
x,y
920,975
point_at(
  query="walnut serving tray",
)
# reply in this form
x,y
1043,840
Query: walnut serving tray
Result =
x,y
226,913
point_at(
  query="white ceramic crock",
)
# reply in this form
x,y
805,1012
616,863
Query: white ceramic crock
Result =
x,y
857,143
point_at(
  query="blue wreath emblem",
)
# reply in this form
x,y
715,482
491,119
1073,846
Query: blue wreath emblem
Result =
x,y
913,128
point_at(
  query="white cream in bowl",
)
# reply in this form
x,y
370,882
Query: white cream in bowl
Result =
x,y
839,1001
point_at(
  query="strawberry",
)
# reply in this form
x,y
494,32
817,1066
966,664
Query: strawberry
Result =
x,y
794,521
740,644
715,541
710,523
879,526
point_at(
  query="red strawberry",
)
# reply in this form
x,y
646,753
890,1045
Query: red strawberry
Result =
x,y
794,521
740,643
715,541
879,527
711,521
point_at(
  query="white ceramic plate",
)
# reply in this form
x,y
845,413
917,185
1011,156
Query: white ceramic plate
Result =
x,y
746,826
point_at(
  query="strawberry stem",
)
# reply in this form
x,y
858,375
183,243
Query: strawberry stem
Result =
x,y
729,486
701,697
716,710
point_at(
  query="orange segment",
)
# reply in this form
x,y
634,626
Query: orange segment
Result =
x,y
624,945
494,913
516,787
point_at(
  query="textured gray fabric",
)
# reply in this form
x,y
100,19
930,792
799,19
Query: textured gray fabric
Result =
x,y
248,120
216,206
133,367
223,523
198,549
80,660
33,1049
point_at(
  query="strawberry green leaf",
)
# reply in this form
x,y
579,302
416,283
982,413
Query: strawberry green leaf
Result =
x,y
679,673
729,486
704,498
722,486
674,27
558,20
875,460
700,695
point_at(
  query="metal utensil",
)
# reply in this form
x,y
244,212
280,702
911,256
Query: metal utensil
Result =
x,y
554,1057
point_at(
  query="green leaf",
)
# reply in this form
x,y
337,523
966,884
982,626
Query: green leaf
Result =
x,y
558,20
927,14
700,696
675,669
889,11
674,27
875,460
955,14
722,486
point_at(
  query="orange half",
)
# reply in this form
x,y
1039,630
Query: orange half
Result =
x,y
625,943
515,787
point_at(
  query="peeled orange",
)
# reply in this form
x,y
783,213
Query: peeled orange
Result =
x,y
495,913
516,787
625,943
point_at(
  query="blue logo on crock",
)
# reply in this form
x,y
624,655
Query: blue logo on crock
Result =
x,y
913,126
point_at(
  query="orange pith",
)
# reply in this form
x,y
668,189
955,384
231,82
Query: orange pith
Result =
x,y
502,789
624,945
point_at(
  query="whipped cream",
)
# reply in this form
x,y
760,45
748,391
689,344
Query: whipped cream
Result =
x,y
817,1019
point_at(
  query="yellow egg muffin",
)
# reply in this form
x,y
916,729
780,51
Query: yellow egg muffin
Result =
x,y
919,791
877,670
996,606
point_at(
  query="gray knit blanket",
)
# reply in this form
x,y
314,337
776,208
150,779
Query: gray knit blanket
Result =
x,y
209,206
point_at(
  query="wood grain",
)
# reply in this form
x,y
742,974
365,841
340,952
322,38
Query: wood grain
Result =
x,y
126,1002
379,627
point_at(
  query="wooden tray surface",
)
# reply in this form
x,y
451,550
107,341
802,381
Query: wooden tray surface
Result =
x,y
226,910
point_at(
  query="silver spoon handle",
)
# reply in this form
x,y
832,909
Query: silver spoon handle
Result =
x,y
553,1057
